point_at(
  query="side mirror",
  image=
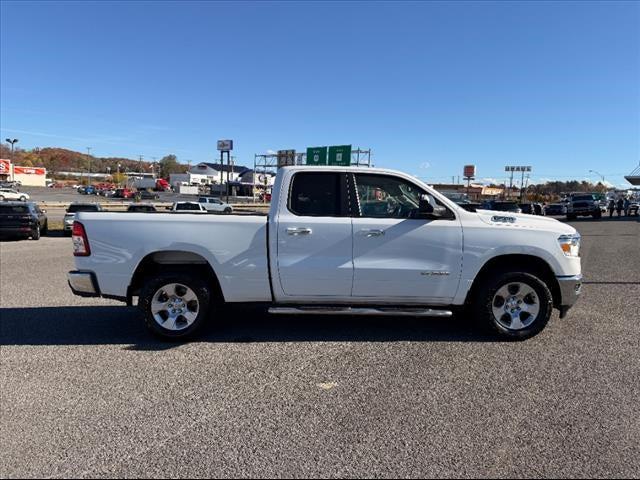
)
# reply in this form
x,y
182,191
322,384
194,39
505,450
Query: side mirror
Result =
x,y
427,210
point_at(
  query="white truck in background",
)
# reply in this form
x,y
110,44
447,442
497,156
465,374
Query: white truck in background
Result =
x,y
337,240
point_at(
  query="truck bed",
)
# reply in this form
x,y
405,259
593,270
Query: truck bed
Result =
x,y
234,245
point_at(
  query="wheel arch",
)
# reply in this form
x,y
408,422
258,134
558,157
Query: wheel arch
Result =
x,y
518,263
174,260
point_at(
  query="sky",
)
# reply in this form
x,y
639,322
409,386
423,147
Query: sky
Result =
x,y
427,86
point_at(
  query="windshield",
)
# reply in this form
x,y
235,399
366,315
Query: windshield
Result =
x,y
582,198
83,208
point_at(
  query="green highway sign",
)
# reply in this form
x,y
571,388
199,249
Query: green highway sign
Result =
x,y
317,156
340,155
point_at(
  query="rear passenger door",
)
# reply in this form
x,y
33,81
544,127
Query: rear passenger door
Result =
x,y
315,238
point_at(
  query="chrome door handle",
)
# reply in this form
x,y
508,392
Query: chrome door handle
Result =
x,y
373,233
299,231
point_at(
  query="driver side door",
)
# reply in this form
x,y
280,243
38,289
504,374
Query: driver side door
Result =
x,y
397,257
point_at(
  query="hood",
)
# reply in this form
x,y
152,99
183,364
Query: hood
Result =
x,y
524,221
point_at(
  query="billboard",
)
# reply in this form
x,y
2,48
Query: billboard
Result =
x,y
469,171
225,145
286,158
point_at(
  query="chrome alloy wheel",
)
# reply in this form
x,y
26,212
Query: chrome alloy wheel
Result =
x,y
175,306
515,306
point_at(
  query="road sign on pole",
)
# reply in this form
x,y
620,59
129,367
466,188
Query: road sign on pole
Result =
x,y
340,155
286,158
317,156
225,145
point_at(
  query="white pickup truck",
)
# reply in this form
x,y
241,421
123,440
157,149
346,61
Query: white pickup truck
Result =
x,y
354,241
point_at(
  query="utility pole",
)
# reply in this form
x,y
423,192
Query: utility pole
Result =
x,y
89,167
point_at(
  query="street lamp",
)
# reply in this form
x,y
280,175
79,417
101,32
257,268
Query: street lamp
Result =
x,y
89,160
12,142
598,173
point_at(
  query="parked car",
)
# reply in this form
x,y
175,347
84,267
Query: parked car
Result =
x,y
141,207
584,205
12,194
123,193
22,219
337,240
556,209
89,190
74,208
633,208
187,207
512,207
146,195
212,204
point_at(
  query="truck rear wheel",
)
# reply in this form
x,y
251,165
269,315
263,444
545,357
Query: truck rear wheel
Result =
x,y
175,305
514,305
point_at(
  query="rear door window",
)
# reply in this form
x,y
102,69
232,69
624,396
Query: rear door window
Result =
x,y
318,194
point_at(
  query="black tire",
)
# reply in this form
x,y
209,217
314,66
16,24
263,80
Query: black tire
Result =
x,y
571,216
35,235
23,198
154,284
483,305
597,215
68,233
45,229
227,210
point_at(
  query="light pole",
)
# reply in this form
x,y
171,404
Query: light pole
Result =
x,y
598,173
118,174
12,142
89,167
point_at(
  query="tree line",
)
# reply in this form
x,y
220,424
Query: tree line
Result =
x,y
63,160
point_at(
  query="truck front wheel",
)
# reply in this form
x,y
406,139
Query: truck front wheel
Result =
x,y
175,305
514,305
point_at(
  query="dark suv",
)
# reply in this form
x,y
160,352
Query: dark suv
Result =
x,y
20,219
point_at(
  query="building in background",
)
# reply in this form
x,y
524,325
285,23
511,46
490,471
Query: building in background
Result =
x,y
207,173
27,176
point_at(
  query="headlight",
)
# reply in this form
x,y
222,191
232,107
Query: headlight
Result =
x,y
570,244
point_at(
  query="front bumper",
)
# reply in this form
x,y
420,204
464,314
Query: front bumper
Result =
x,y
570,289
83,283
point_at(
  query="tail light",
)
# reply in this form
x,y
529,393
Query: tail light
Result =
x,y
80,241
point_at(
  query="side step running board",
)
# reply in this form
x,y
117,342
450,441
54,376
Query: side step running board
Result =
x,y
379,311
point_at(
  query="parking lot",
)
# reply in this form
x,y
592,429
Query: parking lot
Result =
x,y
87,392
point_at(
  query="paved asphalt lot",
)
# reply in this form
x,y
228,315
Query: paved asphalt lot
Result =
x,y
87,392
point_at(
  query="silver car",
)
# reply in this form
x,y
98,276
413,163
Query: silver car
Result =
x,y
212,204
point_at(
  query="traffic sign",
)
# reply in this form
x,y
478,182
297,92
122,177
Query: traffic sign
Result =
x,y
340,155
317,156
